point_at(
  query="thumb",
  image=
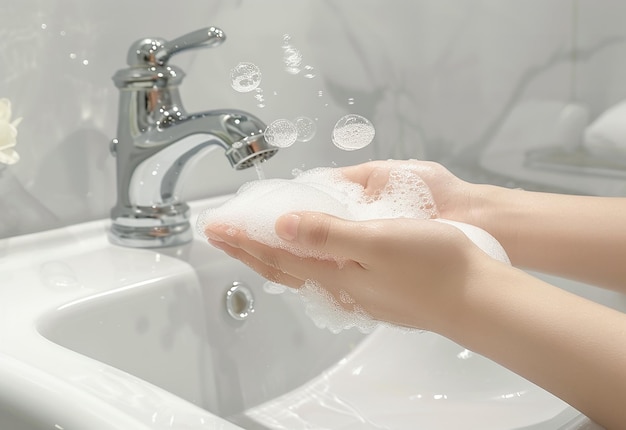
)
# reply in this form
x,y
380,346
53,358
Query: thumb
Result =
x,y
322,232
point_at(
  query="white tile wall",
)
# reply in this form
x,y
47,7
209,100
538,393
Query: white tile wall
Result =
x,y
437,78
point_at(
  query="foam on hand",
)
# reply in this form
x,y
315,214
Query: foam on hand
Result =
x,y
258,204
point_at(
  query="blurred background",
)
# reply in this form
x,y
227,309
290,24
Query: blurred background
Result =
x,y
519,93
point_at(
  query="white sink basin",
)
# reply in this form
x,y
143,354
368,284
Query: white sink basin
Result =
x,y
98,336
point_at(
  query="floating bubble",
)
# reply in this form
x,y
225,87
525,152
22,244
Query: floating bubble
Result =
x,y
305,127
353,132
245,77
281,133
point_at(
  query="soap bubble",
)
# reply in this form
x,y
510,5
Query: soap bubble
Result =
x,y
281,133
245,77
353,132
306,128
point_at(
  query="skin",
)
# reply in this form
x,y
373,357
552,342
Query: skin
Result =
x,y
428,275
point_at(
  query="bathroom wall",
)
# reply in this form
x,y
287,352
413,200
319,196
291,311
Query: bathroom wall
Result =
x,y
474,84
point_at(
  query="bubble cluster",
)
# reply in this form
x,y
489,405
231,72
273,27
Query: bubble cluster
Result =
x,y
353,132
305,127
326,312
292,59
245,77
281,133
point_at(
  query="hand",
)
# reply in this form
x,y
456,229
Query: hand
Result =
x,y
404,271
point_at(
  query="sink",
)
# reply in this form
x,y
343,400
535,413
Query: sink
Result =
x,y
176,331
98,336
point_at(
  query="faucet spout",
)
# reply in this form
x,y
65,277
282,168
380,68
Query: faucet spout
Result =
x,y
158,141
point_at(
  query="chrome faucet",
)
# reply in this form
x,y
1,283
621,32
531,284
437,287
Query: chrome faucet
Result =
x,y
157,140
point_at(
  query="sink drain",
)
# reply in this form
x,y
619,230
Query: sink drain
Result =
x,y
239,301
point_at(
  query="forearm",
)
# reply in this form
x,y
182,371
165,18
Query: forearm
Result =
x,y
572,236
569,346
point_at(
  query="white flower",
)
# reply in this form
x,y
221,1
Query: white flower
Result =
x,y
8,134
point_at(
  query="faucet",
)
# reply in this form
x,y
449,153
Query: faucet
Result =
x,y
157,142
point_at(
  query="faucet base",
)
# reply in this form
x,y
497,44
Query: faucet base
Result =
x,y
150,227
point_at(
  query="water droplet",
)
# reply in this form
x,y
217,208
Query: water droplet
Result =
x,y
260,98
286,40
305,127
309,72
58,275
281,133
353,132
351,101
245,77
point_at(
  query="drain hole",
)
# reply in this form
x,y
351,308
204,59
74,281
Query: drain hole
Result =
x,y
239,301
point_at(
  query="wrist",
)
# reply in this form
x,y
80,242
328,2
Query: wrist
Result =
x,y
481,297
498,211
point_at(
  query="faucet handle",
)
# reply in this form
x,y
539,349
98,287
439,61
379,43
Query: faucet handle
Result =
x,y
157,52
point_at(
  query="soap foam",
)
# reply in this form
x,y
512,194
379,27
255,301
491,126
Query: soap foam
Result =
x,y
327,313
258,204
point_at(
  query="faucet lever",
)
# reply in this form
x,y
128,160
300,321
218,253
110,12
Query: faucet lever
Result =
x,y
157,51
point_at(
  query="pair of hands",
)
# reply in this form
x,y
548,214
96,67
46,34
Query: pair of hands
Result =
x,y
403,271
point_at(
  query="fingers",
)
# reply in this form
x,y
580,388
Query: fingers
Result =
x,y
273,263
268,272
327,234
372,176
